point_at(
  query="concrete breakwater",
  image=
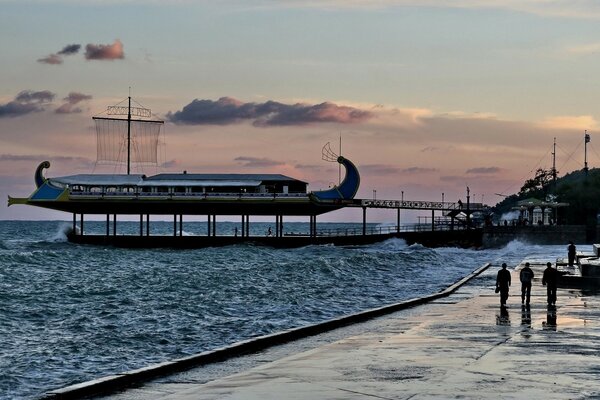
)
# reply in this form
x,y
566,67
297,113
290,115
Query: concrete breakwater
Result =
x,y
498,236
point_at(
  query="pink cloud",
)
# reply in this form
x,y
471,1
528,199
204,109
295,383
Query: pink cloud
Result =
x,y
105,51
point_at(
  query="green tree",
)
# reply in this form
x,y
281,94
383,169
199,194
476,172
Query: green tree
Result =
x,y
539,183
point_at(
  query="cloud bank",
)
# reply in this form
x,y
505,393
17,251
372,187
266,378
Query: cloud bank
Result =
x,y
228,110
26,102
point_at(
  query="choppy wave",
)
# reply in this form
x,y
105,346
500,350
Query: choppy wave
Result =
x,y
71,313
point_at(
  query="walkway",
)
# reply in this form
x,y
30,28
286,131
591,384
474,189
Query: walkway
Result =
x,y
456,347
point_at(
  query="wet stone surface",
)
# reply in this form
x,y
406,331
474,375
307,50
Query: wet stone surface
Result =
x,y
463,347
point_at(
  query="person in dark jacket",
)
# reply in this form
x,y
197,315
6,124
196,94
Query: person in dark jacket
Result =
x,y
550,279
526,276
571,250
502,284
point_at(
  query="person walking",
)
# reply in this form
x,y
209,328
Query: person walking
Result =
x,y
549,280
571,250
503,284
526,276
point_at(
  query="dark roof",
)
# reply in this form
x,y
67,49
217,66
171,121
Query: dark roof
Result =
x,y
227,177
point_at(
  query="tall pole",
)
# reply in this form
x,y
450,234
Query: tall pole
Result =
x,y
586,140
129,136
554,165
468,212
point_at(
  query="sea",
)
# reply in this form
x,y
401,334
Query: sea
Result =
x,y
70,313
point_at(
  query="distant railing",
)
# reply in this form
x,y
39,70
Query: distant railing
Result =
x,y
376,230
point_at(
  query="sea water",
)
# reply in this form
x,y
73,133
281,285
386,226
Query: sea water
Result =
x,y
70,313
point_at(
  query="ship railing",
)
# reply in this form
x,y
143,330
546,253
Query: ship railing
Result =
x,y
185,195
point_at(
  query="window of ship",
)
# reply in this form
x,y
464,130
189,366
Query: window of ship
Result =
x,y
179,189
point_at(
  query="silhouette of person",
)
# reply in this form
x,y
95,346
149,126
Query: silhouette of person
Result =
x,y
502,284
571,250
550,279
526,276
236,231
460,204
269,232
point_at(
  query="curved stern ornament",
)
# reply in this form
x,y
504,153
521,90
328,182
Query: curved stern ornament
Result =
x,y
349,186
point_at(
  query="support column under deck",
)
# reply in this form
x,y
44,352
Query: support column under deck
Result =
x,y
107,224
180,225
364,231
175,225
74,223
214,225
114,224
432,220
147,224
141,224
81,225
398,222
281,226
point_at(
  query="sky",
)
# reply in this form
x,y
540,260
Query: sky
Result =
x,y
429,97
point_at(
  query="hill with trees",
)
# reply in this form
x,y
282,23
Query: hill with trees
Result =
x,y
579,189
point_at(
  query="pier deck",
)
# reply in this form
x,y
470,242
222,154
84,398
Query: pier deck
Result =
x,y
459,346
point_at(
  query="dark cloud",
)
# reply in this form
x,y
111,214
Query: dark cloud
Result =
x,y
252,162
28,96
484,170
105,51
41,157
70,49
56,59
227,110
71,100
170,164
26,102
52,59
419,170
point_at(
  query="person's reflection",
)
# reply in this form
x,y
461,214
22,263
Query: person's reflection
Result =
x,y
550,323
503,318
526,315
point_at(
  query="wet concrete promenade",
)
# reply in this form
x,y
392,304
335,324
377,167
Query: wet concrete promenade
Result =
x,y
461,346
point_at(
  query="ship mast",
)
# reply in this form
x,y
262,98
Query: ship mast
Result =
x,y
137,124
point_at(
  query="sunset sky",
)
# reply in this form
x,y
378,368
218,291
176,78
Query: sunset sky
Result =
x,y
429,96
